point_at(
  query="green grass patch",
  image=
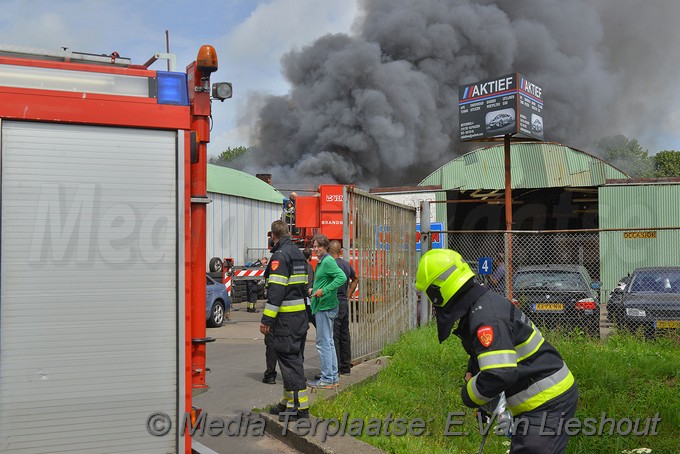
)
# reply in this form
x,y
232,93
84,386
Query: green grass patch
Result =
x,y
622,377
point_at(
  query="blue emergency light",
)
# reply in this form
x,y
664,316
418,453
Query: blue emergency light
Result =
x,y
172,88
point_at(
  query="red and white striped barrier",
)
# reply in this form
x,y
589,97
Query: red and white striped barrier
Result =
x,y
241,273
226,278
249,272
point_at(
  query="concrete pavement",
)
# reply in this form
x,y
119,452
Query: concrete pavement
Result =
x,y
236,362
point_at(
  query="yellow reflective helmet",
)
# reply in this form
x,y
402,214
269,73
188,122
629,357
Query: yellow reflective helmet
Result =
x,y
441,274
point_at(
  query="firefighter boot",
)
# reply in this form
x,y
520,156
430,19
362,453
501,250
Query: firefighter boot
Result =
x,y
293,415
278,409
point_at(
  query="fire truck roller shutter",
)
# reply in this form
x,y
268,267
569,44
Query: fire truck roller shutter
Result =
x,y
88,288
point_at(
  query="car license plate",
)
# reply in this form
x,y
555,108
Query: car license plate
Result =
x,y
548,306
665,324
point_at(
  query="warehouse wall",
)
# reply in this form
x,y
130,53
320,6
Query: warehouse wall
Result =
x,y
648,207
237,227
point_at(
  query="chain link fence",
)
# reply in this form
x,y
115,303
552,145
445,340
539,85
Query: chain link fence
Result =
x,y
592,281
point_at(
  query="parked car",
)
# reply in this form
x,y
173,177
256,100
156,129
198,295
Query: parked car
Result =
x,y
650,301
217,302
614,307
558,296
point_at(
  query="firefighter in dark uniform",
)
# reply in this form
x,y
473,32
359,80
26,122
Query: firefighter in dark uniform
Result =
x,y
507,354
285,316
253,285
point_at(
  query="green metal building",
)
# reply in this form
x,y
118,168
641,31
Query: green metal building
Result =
x,y
647,216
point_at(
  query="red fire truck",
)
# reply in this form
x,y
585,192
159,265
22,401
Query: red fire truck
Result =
x,y
102,277
320,213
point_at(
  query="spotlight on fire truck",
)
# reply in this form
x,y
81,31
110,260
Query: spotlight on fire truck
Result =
x,y
222,90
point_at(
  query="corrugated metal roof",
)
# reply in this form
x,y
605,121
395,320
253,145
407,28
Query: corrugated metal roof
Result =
x,y
534,165
224,180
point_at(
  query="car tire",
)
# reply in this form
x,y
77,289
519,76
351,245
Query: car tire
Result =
x,y
217,314
215,265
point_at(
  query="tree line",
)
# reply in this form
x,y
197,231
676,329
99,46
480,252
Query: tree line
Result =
x,y
628,156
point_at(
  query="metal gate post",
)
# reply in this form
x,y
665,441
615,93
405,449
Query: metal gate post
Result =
x,y
424,247
347,224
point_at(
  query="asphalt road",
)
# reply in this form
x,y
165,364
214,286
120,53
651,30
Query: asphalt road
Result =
x,y
236,362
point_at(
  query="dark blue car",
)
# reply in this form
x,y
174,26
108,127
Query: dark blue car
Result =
x,y
650,301
217,302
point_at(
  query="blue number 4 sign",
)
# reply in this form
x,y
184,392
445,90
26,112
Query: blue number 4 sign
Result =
x,y
484,266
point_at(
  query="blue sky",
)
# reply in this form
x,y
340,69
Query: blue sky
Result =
x,y
249,37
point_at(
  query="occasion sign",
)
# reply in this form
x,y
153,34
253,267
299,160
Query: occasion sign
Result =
x,y
508,104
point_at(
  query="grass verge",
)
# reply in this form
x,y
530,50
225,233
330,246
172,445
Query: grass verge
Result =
x,y
620,377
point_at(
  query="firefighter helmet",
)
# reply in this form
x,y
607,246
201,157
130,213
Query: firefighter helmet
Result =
x,y
441,274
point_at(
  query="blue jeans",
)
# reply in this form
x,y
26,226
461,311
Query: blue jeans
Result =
x,y
325,345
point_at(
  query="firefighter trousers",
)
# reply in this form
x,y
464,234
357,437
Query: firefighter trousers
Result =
x,y
251,293
289,331
270,356
539,432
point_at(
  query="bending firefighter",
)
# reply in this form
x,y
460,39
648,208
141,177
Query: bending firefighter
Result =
x,y
253,286
507,354
285,317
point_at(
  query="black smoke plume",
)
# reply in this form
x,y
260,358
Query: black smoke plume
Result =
x,y
379,106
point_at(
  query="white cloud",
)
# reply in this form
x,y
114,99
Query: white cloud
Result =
x,y
130,28
252,50
276,27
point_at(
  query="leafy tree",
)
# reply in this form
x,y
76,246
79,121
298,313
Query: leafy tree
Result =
x,y
229,154
627,155
667,163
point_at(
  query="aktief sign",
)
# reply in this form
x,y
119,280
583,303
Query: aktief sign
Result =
x,y
509,104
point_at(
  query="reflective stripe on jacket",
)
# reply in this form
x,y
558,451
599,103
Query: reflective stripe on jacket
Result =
x,y
287,281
